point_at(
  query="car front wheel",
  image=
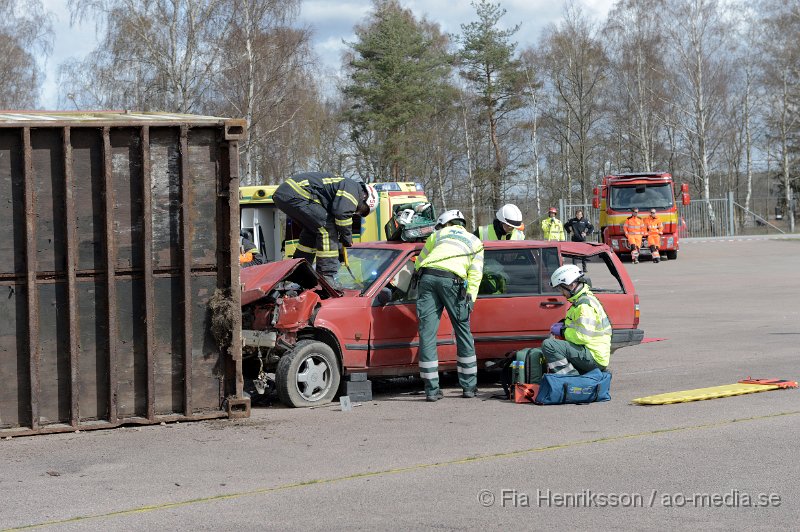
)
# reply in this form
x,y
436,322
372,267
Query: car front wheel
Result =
x,y
308,375
672,254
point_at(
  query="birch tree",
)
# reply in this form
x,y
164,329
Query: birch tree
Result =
x,y
699,36
26,32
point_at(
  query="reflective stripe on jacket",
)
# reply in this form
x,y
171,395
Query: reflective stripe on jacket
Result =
x,y
553,229
653,226
587,324
487,232
456,250
338,195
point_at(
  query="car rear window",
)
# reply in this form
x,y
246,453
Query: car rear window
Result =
x,y
600,272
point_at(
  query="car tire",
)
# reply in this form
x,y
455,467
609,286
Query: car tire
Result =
x,y
308,375
672,254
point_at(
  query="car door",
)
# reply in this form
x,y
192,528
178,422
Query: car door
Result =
x,y
394,335
516,305
601,274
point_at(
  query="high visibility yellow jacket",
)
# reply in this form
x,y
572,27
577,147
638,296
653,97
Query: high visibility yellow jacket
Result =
x,y
455,250
553,229
487,232
587,324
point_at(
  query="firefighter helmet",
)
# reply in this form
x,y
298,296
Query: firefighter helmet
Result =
x,y
510,214
566,275
372,197
450,216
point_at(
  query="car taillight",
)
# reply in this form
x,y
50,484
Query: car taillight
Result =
x,y
636,310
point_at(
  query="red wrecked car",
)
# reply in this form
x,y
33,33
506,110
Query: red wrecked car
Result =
x,y
308,335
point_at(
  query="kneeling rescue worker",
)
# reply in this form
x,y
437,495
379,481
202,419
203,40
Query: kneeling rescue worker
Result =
x,y
450,267
324,205
586,330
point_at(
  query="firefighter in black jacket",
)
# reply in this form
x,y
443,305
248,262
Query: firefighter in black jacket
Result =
x,y
324,205
579,227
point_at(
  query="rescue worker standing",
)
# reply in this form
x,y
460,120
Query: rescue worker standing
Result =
x,y
450,267
586,330
507,225
579,227
324,205
248,251
634,232
552,228
654,229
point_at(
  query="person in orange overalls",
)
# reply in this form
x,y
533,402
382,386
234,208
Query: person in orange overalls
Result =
x,y
634,232
654,229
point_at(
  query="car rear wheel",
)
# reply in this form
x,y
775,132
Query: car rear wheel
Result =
x,y
308,375
672,254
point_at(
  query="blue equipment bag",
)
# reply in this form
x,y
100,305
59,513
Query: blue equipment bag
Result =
x,y
574,389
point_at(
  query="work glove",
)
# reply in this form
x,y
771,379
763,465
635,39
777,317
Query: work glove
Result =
x,y
557,329
346,242
470,305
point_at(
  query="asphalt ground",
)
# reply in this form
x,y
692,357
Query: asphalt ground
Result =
x,y
728,310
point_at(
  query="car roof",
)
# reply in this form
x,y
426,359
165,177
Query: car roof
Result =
x,y
578,248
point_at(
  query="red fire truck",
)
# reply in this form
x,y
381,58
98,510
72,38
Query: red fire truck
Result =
x,y
618,194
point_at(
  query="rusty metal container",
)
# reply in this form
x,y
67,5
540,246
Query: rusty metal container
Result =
x,y
119,227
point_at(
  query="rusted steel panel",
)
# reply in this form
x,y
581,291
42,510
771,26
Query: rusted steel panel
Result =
x,y
72,299
186,265
168,320
30,277
147,267
94,372
12,204
15,391
120,232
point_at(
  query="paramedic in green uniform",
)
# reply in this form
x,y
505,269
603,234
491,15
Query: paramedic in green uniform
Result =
x,y
586,331
450,267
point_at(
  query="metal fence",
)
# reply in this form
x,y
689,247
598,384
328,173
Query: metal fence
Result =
x,y
719,217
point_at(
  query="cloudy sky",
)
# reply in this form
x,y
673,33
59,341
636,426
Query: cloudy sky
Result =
x,y
332,22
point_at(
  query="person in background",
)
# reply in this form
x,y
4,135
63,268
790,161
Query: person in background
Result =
x,y
654,229
579,228
248,251
634,232
450,268
507,225
552,228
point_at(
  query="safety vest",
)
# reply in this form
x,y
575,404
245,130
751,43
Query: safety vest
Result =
x,y
553,229
487,232
456,250
587,324
653,226
633,227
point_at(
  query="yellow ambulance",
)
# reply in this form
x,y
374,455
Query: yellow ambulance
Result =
x,y
276,237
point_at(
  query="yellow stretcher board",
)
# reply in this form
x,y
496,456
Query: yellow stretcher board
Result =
x,y
714,392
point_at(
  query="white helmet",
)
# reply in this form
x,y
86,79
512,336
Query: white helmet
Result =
x,y
372,197
510,214
448,216
566,275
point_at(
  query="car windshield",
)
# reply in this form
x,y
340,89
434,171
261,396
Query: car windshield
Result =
x,y
366,265
642,196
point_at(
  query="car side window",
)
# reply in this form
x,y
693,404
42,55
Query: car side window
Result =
x,y
510,271
550,263
400,284
600,272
